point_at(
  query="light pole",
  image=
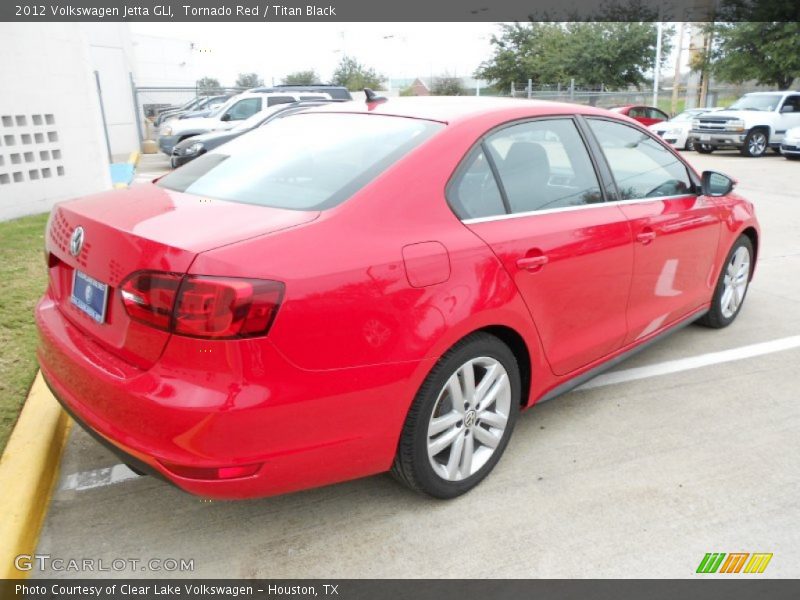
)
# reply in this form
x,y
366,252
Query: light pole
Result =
x,y
657,68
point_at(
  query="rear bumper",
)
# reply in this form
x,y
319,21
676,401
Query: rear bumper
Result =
x,y
226,404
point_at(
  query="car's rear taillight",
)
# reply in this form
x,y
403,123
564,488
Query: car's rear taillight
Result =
x,y
149,297
202,306
221,307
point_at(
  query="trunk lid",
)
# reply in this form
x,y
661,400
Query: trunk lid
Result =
x,y
143,228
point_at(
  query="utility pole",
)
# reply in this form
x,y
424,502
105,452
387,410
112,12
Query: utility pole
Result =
x,y
676,79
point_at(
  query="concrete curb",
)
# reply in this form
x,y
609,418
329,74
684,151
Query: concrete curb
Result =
x,y
28,473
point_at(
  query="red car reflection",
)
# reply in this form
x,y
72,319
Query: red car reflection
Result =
x,y
382,287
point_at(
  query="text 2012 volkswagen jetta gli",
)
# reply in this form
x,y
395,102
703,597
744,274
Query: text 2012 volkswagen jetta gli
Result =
x,y
357,289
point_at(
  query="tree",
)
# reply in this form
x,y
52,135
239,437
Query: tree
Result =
x,y
208,85
447,85
248,80
614,54
766,52
355,76
309,77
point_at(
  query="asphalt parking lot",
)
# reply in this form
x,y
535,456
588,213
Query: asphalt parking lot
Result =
x,y
637,476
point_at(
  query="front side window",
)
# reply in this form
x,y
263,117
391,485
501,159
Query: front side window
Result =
x,y
654,113
642,167
544,164
794,102
307,161
244,109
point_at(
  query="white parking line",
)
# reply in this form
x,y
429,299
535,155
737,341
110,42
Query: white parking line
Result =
x,y
87,480
692,362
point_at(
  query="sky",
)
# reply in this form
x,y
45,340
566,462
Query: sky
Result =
x,y
396,50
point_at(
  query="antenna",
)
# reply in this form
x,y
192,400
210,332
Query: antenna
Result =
x,y
373,98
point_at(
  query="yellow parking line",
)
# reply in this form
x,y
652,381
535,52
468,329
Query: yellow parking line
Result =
x,y
28,472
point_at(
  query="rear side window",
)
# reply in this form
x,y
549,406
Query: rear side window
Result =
x,y
273,100
641,166
544,164
307,161
474,193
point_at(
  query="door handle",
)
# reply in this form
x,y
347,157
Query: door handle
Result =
x,y
645,236
532,263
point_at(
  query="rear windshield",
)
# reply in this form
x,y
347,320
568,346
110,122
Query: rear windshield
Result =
x,y
308,161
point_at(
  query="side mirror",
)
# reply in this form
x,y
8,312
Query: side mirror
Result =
x,y
787,108
225,117
716,184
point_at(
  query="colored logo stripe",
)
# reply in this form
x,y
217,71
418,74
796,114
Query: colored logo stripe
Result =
x,y
734,562
713,562
758,562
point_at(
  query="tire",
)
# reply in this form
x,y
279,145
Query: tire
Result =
x,y
737,278
424,460
689,145
704,148
755,144
792,156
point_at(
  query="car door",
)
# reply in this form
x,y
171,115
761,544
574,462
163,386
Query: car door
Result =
x,y
531,192
788,119
675,230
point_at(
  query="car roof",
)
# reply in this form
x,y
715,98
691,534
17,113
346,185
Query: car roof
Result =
x,y
449,109
772,92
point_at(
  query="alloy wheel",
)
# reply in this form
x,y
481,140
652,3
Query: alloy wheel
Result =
x,y
469,418
757,144
737,274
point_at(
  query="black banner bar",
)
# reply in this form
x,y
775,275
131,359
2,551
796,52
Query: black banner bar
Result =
x,y
728,588
407,10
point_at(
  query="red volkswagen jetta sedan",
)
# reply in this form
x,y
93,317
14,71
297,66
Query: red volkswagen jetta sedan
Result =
x,y
364,288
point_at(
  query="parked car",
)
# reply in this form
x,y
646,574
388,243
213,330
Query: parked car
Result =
x,y
337,92
235,110
354,289
790,146
676,130
164,113
646,115
190,148
205,109
752,124
199,103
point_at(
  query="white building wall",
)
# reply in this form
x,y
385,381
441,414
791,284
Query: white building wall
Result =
x,y
164,62
52,145
111,50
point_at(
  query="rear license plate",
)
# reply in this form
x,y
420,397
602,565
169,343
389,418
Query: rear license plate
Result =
x,y
705,138
89,295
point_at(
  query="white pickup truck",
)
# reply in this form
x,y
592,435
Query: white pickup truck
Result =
x,y
752,124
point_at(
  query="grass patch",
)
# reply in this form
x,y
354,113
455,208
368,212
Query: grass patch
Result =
x,y
24,277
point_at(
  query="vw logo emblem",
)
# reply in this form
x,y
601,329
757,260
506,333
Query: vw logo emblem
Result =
x,y
76,241
470,418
